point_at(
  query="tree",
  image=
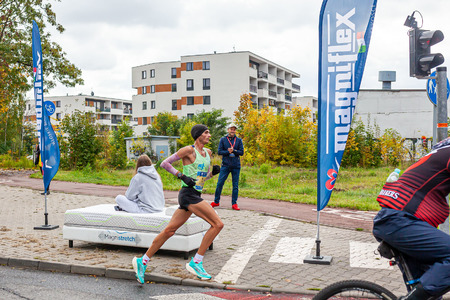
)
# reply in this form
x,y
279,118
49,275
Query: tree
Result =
x,y
80,146
165,124
16,60
118,144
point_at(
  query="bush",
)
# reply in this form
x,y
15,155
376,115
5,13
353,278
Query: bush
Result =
x,y
81,144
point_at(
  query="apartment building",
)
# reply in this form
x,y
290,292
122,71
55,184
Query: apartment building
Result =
x,y
203,82
109,112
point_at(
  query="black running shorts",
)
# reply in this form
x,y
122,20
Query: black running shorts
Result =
x,y
188,196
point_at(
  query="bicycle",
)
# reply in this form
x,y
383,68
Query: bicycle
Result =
x,y
361,289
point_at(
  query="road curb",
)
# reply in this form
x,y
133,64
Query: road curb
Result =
x,y
117,273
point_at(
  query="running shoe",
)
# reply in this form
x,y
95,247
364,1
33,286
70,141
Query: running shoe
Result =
x,y
139,268
235,207
214,204
197,269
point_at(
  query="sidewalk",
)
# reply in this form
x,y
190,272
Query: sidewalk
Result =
x,y
260,248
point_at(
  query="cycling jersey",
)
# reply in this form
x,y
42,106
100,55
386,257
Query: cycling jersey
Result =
x,y
422,188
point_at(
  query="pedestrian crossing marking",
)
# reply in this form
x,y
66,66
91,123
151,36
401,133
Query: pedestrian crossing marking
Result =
x,y
236,264
365,255
292,250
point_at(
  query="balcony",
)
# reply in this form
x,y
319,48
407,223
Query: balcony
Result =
x,y
296,87
115,121
253,88
127,111
262,74
263,93
280,81
272,94
104,109
288,98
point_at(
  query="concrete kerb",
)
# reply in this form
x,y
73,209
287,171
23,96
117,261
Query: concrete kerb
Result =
x,y
128,275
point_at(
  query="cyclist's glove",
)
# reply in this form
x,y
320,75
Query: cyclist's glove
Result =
x,y
215,170
189,181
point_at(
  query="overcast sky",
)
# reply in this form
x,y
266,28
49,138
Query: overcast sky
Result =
x,y
105,39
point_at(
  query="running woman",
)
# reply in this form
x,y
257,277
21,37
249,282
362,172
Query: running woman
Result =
x,y
196,170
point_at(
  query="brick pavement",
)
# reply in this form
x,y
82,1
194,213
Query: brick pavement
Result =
x,y
269,266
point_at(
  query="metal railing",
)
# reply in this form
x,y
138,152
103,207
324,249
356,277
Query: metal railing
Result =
x,y
279,80
262,74
273,94
287,97
295,86
253,88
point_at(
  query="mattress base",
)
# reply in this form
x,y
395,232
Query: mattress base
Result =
x,y
131,239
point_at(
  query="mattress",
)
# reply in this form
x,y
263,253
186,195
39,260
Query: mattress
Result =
x,y
104,216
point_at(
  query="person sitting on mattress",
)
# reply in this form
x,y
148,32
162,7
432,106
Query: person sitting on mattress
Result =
x,y
145,193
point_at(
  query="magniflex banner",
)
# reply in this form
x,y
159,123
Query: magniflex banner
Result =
x,y
345,28
48,143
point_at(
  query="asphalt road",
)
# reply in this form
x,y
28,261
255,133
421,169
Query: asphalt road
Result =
x,y
29,284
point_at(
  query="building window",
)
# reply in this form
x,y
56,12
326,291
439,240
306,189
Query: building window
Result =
x,y
29,106
190,116
152,89
206,100
151,119
174,87
144,105
174,72
58,116
144,74
189,66
153,104
190,84
190,100
206,84
174,105
152,73
206,65
144,121
58,103
144,90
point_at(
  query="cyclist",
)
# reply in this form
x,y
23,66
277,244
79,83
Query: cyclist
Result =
x,y
412,208
196,161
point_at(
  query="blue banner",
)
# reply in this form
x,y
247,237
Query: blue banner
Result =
x,y
48,143
345,28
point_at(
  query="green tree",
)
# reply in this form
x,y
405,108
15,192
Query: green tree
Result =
x,y
81,144
165,124
118,144
16,60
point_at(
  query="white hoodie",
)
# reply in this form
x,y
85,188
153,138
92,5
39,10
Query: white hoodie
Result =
x,y
146,190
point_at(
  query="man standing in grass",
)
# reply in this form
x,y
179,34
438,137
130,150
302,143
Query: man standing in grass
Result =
x,y
231,148
196,164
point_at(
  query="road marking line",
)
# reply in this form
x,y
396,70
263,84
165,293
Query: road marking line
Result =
x,y
292,250
365,255
190,296
236,264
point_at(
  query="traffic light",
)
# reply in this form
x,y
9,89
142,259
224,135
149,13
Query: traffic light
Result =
x,y
421,61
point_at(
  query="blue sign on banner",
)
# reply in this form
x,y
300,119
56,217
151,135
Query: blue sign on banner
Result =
x,y
345,28
50,107
431,88
48,143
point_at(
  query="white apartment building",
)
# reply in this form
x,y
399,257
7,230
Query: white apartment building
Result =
x,y
204,82
108,111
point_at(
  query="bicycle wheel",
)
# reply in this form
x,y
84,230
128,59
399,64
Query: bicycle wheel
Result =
x,y
354,289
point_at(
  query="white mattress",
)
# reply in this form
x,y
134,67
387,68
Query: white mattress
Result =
x,y
104,216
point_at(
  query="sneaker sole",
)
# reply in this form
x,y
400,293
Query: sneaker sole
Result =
x,y
135,268
192,271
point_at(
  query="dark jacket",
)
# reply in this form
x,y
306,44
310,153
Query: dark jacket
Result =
x,y
224,144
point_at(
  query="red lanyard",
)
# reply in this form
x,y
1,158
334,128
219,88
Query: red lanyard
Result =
x,y
234,143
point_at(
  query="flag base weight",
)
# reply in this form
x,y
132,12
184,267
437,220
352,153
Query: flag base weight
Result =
x,y
318,260
46,227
